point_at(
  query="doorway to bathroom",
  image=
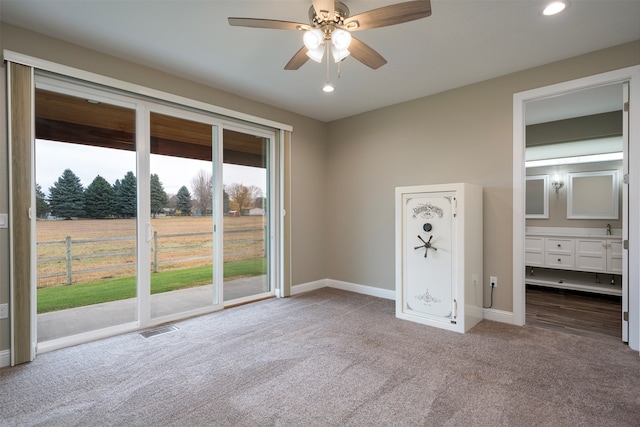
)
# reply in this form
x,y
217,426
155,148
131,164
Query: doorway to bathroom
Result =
x,y
571,160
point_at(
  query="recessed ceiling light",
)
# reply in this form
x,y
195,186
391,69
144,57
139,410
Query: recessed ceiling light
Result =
x,y
553,8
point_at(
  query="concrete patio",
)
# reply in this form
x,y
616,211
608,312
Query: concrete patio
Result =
x,y
64,323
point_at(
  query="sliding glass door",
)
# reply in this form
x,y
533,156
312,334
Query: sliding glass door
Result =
x,y
147,213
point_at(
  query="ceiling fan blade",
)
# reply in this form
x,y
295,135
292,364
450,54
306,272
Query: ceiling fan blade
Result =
x,y
297,60
365,54
324,8
268,23
389,15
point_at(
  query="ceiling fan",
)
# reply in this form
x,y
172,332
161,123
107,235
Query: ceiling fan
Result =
x,y
330,28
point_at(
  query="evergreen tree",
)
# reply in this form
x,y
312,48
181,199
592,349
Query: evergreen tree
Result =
x,y
116,188
66,196
158,196
126,196
184,201
100,199
42,207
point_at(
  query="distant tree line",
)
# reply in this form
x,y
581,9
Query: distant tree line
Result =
x,y
68,198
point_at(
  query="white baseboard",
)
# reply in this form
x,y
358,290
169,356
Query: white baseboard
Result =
x,y
498,315
309,286
488,313
362,289
5,358
346,286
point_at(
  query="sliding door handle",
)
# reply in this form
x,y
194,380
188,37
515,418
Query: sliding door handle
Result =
x,y
150,232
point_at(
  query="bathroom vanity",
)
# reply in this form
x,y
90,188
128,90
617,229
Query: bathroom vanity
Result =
x,y
583,259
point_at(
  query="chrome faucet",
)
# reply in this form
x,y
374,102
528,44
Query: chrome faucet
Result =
x,y
608,229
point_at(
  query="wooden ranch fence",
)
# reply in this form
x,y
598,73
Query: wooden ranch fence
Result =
x,y
239,244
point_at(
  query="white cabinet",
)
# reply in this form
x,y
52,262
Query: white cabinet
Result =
x,y
589,253
439,255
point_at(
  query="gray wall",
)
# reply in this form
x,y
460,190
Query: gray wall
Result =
x,y
308,147
463,135
558,202
344,173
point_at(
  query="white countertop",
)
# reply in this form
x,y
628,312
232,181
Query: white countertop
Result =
x,y
601,233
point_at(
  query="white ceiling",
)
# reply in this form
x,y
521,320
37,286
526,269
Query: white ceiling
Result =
x,y
464,41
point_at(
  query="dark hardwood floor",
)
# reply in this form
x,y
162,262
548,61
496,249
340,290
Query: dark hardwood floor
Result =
x,y
574,312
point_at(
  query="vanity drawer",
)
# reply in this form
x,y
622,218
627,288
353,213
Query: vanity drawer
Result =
x,y
559,260
559,246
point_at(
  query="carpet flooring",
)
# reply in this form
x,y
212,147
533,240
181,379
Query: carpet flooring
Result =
x,y
327,358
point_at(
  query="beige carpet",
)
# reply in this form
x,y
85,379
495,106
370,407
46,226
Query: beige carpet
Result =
x,y
327,358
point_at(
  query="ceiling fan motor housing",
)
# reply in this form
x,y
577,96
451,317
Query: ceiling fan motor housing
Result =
x,y
340,14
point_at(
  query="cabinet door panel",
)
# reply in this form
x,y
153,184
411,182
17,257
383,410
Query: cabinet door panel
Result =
x,y
534,259
590,263
594,247
614,256
591,255
534,244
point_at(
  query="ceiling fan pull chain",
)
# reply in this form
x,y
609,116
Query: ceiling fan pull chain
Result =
x,y
327,56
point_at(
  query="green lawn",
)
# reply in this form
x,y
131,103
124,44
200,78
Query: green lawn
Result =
x,y
71,296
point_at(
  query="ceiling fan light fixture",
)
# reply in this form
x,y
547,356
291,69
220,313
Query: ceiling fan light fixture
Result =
x,y
341,39
554,8
339,54
316,54
313,39
328,87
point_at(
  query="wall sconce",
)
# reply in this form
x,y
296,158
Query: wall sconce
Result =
x,y
557,183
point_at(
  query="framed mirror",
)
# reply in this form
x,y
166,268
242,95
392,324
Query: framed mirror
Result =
x,y
537,197
592,195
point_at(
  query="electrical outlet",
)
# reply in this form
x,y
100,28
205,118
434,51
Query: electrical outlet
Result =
x,y
4,311
494,281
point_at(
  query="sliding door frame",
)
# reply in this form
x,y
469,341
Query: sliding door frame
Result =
x,y
144,220
280,133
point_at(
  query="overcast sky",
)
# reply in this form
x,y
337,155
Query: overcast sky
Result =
x,y
52,158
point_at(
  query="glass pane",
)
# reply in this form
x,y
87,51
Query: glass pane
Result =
x,y
245,173
86,208
181,193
